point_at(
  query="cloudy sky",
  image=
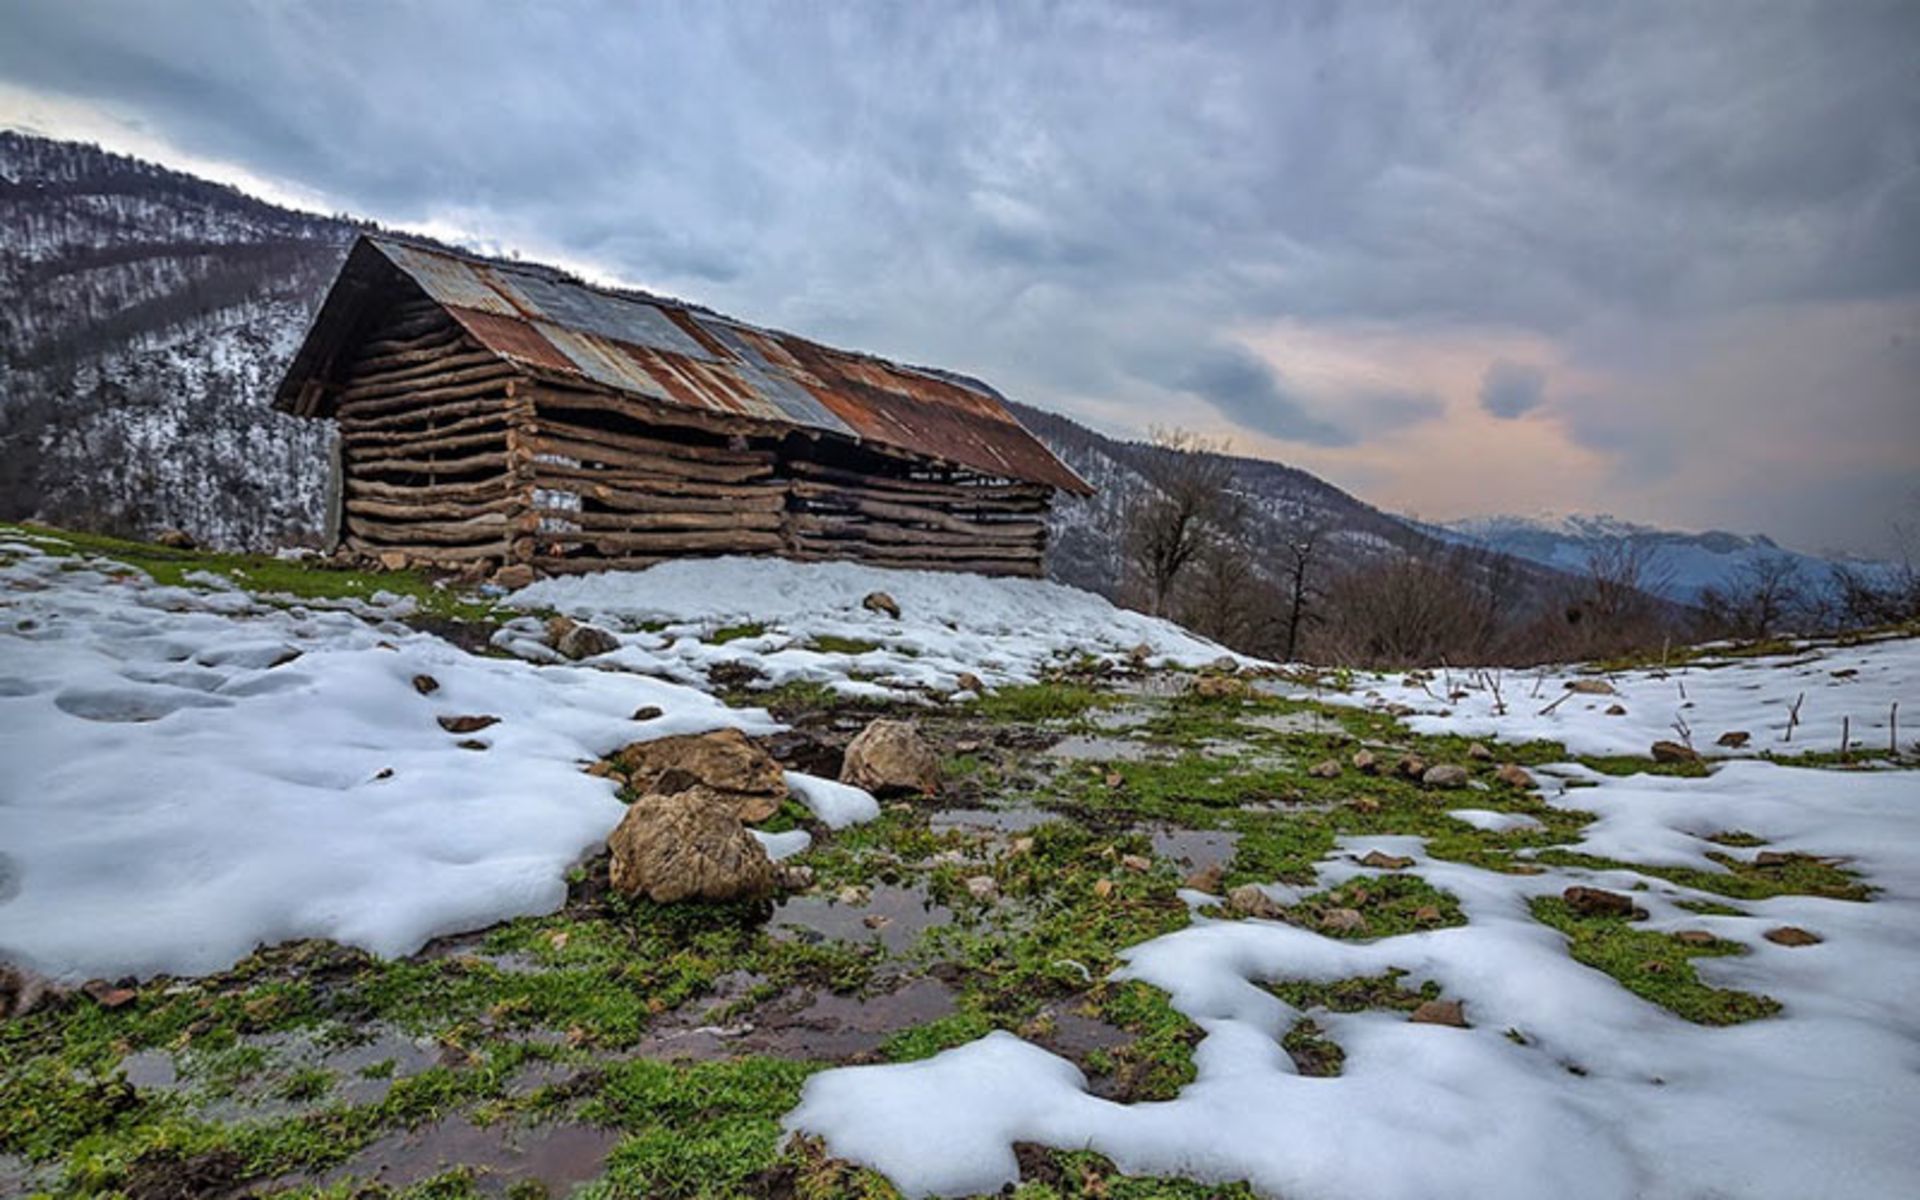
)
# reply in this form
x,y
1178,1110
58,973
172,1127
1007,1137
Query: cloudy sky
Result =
x,y
1657,259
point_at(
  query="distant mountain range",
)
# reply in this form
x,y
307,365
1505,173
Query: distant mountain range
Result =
x,y
1676,565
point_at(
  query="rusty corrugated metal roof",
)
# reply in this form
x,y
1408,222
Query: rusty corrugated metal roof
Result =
x,y
679,355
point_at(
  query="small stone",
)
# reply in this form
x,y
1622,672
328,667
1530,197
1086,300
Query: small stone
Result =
x,y
880,602
559,626
1441,1012
393,560
1479,753
384,773
1136,862
1514,775
1654,966
1695,937
1426,914
1673,752
967,681
1597,902
1114,779
1733,739
174,539
1140,654
983,888
426,685
1365,761
1401,710
1249,900
1792,935
1020,845
890,758
1364,804
1616,710
1590,687
1226,664
514,576
853,896
793,877
1445,775
1208,879
1103,888
471,744
1381,861
1218,687
1342,920
876,921
467,724
648,712
1325,770
108,995
1411,765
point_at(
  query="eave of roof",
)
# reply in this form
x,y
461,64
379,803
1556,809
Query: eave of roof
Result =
x,y
686,357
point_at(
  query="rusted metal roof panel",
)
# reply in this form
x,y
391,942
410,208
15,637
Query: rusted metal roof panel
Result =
x,y
678,355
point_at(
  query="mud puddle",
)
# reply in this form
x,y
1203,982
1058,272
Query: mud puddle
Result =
x,y
557,1158
1196,849
897,916
804,1023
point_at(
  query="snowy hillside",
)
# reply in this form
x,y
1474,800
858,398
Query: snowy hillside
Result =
x,y
1678,566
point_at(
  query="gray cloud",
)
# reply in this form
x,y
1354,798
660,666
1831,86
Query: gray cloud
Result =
x,y
1512,389
1082,202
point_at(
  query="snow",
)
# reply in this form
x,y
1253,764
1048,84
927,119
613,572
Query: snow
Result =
x,y
1006,631
192,773
1833,684
1597,1093
838,805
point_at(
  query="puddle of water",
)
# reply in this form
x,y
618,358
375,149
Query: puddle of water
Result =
x,y
153,1069
1087,748
997,820
1123,716
1294,722
901,914
804,1023
556,1157
1197,849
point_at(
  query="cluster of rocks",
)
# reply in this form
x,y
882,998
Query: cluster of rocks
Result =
x,y
1433,775
686,835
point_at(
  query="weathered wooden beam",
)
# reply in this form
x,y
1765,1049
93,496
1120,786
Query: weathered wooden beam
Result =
x,y
491,382
743,541
643,521
446,368
653,463
427,466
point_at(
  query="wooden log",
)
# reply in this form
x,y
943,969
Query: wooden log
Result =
x,y
563,476
984,490
432,533
426,466
490,383
447,368
441,335
642,444
427,415
556,565
439,347
743,541
642,521
485,489
442,555
907,554
480,432
623,500
880,531
412,510
653,463
920,514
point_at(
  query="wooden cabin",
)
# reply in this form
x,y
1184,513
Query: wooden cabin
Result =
x,y
496,415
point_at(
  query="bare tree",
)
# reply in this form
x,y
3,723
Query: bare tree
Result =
x,y
1220,599
1759,599
1299,577
1188,502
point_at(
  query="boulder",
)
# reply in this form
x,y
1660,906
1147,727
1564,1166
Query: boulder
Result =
x,y
1427,914
1445,775
21,991
1208,879
890,758
725,761
1695,937
1441,1012
1248,900
1673,752
880,602
687,847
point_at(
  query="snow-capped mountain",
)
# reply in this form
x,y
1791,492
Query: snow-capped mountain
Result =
x,y
1674,564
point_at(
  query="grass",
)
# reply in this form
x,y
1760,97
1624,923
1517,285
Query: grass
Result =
x,y
1656,967
1024,704
735,633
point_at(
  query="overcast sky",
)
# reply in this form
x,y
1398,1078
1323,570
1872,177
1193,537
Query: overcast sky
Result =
x,y
1656,259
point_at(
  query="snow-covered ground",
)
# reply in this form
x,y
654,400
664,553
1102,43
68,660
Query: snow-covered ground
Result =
x,y
1001,630
1566,1084
190,773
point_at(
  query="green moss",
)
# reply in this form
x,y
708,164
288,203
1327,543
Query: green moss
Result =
x,y
828,643
1654,966
1360,993
1312,1051
1742,880
1389,904
1024,704
734,633
925,1041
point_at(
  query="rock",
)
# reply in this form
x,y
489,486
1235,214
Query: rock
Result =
x,y
1479,753
1426,914
514,576
426,685
734,673
1597,902
880,602
21,991
1102,888
1020,845
1113,779
1381,861
1325,770
1411,765
983,888
599,768
174,539
1445,775
1776,858
1249,900
1364,804
1136,862
559,626
967,681
1208,879
1695,937
648,712
1441,1012
1226,664
1591,687
466,724
1218,687
876,920
853,896
725,761
1792,935
1616,710
685,847
108,995
1514,775
1673,752
1342,920
392,560
1140,655
1733,739
1365,761
890,758
471,744
585,641
793,877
